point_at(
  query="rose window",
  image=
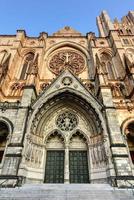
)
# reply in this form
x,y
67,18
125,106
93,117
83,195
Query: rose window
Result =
x,y
67,59
67,121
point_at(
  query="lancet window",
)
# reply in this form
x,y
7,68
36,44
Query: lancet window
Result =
x,y
27,63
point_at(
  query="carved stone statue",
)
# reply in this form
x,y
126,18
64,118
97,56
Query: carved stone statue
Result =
x,y
4,63
32,71
129,56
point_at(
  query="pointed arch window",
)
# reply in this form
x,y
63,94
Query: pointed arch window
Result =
x,y
129,32
28,61
3,56
121,32
3,138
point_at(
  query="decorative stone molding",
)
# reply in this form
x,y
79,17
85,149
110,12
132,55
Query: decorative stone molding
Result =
x,y
67,81
16,88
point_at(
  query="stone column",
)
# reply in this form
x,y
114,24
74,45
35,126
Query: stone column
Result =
x,y
43,164
66,165
13,155
118,148
90,164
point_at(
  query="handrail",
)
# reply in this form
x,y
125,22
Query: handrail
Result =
x,y
16,183
132,186
113,182
3,182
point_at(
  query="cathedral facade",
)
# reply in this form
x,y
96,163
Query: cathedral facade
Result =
x,y
67,105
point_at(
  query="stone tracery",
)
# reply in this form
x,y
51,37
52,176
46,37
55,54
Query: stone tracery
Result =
x,y
67,59
67,121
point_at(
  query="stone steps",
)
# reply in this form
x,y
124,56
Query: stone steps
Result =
x,y
65,192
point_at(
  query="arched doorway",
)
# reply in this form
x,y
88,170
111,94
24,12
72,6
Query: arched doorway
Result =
x,y
66,161
54,169
129,131
4,131
69,128
78,159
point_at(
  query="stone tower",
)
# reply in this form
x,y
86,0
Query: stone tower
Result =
x,y
67,105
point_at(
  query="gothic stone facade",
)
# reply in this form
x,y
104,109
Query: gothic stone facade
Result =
x,y
67,105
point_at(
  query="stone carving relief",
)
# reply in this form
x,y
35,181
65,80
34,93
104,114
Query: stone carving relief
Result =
x,y
31,42
129,56
33,152
98,153
67,59
44,85
67,81
11,166
4,63
124,104
16,88
67,31
117,89
89,85
62,99
32,70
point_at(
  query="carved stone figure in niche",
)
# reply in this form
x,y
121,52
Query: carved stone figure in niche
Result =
x,y
32,70
129,56
101,70
117,89
98,152
67,59
4,63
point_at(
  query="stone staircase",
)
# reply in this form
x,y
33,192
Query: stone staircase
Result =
x,y
66,192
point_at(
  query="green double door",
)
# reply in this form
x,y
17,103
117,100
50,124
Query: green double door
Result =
x,y
54,172
78,167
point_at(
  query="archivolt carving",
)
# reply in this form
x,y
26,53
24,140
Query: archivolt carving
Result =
x,y
94,121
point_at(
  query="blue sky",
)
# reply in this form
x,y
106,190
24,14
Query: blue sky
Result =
x,y
36,16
